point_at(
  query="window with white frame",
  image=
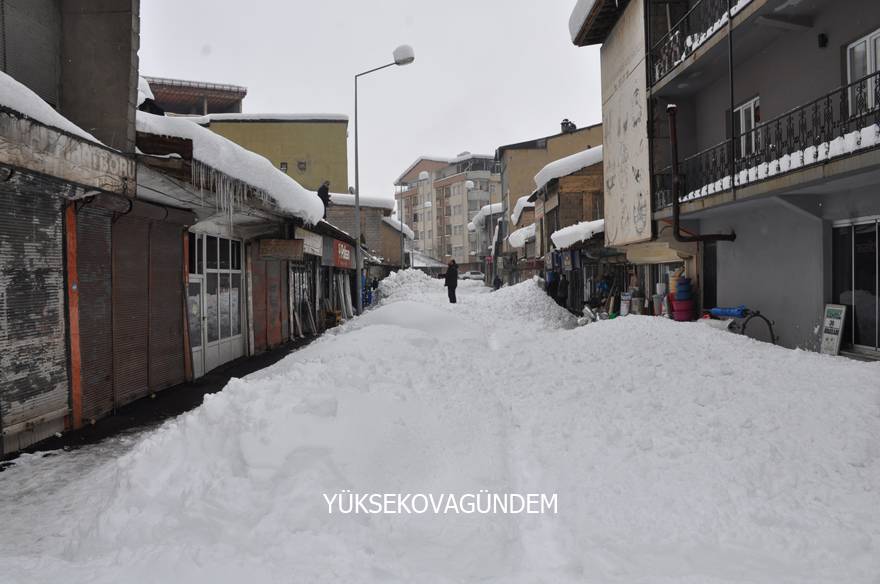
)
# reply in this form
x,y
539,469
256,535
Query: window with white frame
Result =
x,y
863,59
747,118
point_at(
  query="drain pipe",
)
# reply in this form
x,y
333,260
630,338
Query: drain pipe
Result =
x,y
676,183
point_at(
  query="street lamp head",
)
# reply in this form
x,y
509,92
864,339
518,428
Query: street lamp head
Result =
x,y
404,55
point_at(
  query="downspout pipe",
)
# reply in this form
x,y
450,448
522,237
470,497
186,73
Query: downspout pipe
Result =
x,y
676,184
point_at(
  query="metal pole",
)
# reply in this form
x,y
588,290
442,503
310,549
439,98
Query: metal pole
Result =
x,y
358,267
402,239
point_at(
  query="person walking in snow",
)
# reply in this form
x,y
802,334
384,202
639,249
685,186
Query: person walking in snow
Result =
x,y
451,280
496,283
324,195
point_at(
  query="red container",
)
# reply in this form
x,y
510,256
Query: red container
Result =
x,y
683,315
683,305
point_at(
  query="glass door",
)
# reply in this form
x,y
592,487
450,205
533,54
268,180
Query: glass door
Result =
x,y
855,281
196,317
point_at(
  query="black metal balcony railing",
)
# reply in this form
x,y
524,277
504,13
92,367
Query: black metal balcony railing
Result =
x,y
686,35
843,122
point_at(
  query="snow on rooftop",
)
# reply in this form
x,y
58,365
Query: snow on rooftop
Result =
x,y
347,200
569,236
268,117
15,96
484,212
229,158
579,17
144,91
568,165
397,225
522,204
521,236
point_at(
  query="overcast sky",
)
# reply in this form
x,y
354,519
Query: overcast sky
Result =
x,y
487,72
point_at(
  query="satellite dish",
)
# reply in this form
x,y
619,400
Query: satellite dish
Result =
x,y
469,185
424,175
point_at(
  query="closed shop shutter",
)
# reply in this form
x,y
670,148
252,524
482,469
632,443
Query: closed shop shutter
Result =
x,y
258,291
33,357
131,238
273,302
94,259
166,305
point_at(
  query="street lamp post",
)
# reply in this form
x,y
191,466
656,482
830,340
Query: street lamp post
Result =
x,y
403,55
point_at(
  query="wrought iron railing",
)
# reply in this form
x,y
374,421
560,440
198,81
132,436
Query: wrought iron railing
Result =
x,y
843,122
703,19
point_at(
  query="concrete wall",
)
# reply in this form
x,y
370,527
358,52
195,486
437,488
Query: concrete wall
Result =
x,y
321,145
99,68
778,265
789,72
389,244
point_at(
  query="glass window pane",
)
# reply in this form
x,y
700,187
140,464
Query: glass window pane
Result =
x,y
224,306
194,302
211,244
192,253
235,304
236,255
224,254
211,307
200,254
865,291
858,61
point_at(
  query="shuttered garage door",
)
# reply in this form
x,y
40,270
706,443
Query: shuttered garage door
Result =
x,y
95,310
33,359
131,239
166,305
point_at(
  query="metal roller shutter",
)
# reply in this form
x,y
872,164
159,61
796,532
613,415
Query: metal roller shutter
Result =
x,y
131,240
33,348
166,306
31,44
94,259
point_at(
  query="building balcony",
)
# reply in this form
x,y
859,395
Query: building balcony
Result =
x,y
841,128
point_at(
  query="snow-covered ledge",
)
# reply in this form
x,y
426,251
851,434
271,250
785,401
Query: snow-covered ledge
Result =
x,y
573,234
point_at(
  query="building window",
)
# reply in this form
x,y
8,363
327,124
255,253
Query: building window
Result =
x,y
456,229
863,59
283,167
449,230
747,117
448,249
456,210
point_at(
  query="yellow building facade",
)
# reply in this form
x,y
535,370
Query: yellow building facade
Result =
x,y
309,148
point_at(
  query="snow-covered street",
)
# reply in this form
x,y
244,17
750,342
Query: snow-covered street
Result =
x,y
679,453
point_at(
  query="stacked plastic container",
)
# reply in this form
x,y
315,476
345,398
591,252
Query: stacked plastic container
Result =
x,y
684,306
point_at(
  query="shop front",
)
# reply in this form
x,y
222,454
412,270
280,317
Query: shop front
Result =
x,y
305,284
338,285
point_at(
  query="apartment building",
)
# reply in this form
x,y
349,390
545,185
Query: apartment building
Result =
x,y
520,162
776,168
440,197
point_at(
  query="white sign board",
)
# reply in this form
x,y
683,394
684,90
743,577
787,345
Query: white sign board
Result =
x,y
312,242
626,160
832,328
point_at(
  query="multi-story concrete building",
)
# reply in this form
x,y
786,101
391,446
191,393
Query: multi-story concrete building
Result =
x,y
440,196
520,162
777,106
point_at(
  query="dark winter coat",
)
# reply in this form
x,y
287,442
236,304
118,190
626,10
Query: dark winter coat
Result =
x,y
324,195
452,276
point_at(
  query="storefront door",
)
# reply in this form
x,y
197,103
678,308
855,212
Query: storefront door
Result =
x,y
215,299
856,270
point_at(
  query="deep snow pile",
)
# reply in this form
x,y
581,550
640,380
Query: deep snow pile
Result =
x,y
679,454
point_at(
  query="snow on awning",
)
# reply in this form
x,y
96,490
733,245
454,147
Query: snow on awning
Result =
x,y
224,156
569,236
520,237
484,212
579,17
522,204
398,226
15,96
347,200
568,165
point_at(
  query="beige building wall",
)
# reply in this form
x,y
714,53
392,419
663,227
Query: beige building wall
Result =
x,y
313,151
519,165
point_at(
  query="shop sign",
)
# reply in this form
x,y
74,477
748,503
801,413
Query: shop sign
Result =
x,y
312,242
832,327
343,255
566,261
281,249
